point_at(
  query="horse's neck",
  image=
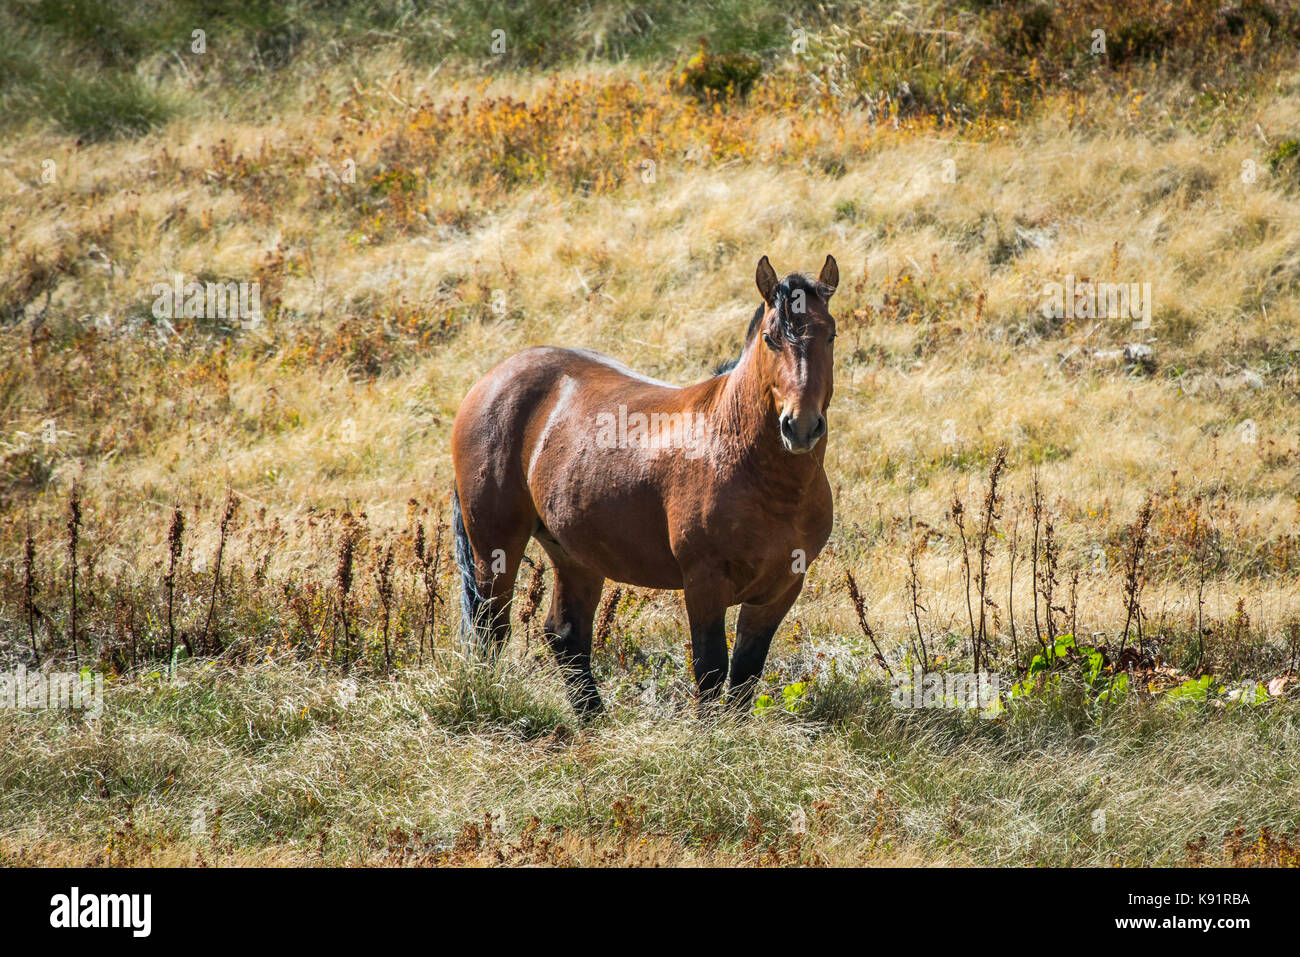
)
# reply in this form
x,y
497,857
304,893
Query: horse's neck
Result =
x,y
746,427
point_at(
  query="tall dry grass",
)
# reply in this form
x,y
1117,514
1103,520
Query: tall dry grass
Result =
x,y
409,228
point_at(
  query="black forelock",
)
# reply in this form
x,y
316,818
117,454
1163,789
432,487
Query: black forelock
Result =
x,y
789,324
790,327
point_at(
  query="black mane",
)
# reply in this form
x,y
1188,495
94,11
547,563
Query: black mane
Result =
x,y
788,325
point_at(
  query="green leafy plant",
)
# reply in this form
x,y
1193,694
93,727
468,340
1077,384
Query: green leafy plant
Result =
x,y
1081,662
793,699
1193,689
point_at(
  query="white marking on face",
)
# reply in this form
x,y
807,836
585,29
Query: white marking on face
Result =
x,y
567,388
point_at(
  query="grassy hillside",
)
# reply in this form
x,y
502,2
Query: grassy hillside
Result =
x,y
415,208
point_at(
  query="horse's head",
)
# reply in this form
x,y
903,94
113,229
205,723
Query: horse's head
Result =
x,y
796,332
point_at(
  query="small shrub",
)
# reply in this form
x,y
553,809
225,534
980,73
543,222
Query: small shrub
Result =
x,y
104,106
1285,157
719,76
1137,40
493,696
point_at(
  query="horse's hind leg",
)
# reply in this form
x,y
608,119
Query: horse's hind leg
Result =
x,y
568,631
488,551
495,575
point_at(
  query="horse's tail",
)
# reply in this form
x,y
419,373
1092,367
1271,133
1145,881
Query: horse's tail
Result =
x,y
472,601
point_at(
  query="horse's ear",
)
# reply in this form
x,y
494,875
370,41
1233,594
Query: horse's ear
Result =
x,y
830,274
765,276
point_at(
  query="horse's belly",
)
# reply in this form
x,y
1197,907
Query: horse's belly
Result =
x,y
618,533
630,559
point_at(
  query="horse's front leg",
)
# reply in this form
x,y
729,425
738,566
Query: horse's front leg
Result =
x,y
706,610
754,630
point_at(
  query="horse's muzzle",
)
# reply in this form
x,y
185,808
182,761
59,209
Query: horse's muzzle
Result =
x,y
800,437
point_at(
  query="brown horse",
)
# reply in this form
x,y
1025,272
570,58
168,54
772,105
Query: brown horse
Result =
x,y
715,488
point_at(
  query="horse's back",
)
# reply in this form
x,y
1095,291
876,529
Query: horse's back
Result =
x,y
508,411
525,440
529,384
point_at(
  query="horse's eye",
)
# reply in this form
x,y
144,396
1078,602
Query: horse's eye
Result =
x,y
832,338
768,341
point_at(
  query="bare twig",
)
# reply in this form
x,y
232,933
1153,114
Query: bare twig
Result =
x,y
384,588
1047,577
957,510
175,537
343,581
860,606
605,616
914,583
232,504
74,534
989,520
1011,589
29,590
1036,512
532,600
428,565
1133,571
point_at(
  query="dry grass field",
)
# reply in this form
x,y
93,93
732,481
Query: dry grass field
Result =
x,y
241,525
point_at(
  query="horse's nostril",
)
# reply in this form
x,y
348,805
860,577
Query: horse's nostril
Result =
x,y
803,438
